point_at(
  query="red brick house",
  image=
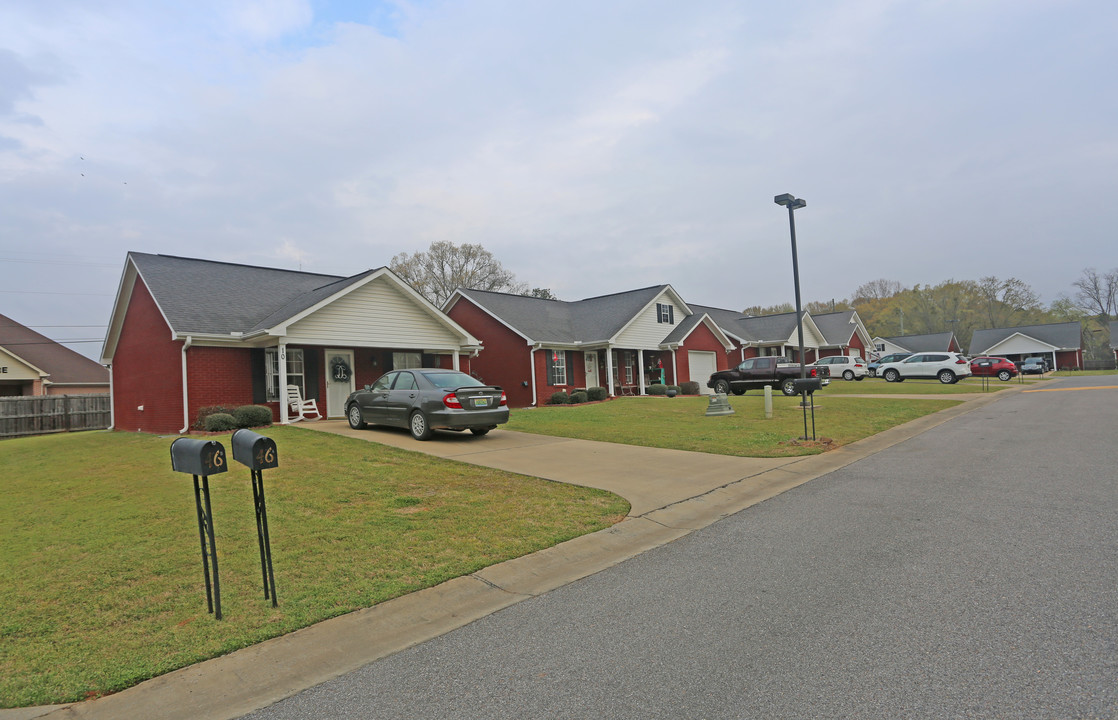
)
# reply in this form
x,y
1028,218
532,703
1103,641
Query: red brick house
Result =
x,y
624,342
1061,343
33,364
187,334
843,334
766,335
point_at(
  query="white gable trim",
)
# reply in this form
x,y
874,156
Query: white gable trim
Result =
x,y
458,295
1015,336
707,320
636,316
280,329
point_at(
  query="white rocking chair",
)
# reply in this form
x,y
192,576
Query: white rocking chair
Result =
x,y
299,406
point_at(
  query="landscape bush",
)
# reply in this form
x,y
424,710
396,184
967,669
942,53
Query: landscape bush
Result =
x,y
219,422
657,389
559,398
205,412
578,396
597,394
248,416
673,390
689,388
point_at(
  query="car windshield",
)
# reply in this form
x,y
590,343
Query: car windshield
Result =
x,y
451,380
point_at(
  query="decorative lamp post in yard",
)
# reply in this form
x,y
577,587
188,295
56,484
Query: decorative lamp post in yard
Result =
x,y
793,203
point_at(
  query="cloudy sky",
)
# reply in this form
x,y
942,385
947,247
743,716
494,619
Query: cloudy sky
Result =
x,y
593,147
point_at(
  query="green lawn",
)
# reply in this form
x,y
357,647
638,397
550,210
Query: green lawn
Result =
x,y
878,386
681,423
101,581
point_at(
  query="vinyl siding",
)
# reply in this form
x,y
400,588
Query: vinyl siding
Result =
x,y
646,331
375,315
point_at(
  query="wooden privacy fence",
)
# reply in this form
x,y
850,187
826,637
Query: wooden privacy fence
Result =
x,y
43,414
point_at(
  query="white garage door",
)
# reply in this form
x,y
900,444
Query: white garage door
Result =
x,y
703,365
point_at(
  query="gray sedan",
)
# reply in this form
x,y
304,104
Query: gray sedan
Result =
x,y
425,399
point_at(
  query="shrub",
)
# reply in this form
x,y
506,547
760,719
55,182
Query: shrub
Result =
x,y
559,398
673,390
597,394
689,388
252,416
579,396
205,412
657,389
219,422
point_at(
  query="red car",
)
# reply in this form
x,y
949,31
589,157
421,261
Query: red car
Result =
x,y
993,367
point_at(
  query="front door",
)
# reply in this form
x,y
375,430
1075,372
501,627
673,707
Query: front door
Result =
x,y
339,381
591,369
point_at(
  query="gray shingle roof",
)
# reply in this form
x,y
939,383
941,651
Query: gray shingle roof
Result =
x,y
1064,336
837,327
923,343
63,364
591,320
209,297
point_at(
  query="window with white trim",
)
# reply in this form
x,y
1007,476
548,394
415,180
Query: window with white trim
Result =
x,y
665,313
558,368
407,360
294,372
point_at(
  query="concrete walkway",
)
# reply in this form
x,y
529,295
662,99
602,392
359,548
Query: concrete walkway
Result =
x,y
672,494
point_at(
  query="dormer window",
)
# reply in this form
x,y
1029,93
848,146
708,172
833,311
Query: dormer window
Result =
x,y
665,313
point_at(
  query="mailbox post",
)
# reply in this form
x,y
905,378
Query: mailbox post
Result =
x,y
202,458
259,453
806,388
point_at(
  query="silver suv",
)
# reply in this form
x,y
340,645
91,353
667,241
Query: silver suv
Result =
x,y
947,367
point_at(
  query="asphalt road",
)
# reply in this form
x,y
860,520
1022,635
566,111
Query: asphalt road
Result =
x,y
969,572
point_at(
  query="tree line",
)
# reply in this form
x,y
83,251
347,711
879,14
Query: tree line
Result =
x,y
886,307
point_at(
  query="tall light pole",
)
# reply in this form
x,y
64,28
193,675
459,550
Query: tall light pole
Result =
x,y
792,203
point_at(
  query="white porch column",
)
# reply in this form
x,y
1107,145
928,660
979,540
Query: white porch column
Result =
x,y
640,370
532,374
609,370
282,389
455,361
675,369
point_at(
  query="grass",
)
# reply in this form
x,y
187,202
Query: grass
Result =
x,y
1080,373
101,581
680,423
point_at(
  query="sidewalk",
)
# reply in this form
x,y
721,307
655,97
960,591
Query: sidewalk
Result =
x,y
672,494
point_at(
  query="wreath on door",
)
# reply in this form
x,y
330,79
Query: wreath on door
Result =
x,y
339,369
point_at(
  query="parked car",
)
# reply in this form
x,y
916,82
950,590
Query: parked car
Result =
x,y
849,367
757,372
1034,366
422,400
894,357
947,367
999,367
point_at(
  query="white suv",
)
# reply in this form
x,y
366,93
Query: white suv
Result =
x,y
846,367
947,367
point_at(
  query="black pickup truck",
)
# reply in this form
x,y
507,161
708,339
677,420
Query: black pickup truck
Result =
x,y
756,373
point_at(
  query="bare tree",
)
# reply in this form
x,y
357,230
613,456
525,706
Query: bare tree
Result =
x,y
1097,293
877,290
1006,303
445,267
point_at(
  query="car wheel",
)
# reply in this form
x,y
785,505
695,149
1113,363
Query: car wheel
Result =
x,y
1004,376
738,392
848,375
356,421
480,431
891,375
420,430
788,387
860,378
946,377
721,387
873,372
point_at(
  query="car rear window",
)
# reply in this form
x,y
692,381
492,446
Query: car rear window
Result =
x,y
452,380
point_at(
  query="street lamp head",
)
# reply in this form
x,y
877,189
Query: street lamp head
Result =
x,y
790,201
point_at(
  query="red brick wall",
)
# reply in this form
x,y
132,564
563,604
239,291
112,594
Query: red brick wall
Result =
x,y
504,360
703,340
147,370
1070,358
219,376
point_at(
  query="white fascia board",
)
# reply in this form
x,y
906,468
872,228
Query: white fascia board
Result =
x,y
280,329
448,305
1051,347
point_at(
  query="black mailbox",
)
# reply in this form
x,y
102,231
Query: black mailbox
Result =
x,y
198,457
254,450
808,385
